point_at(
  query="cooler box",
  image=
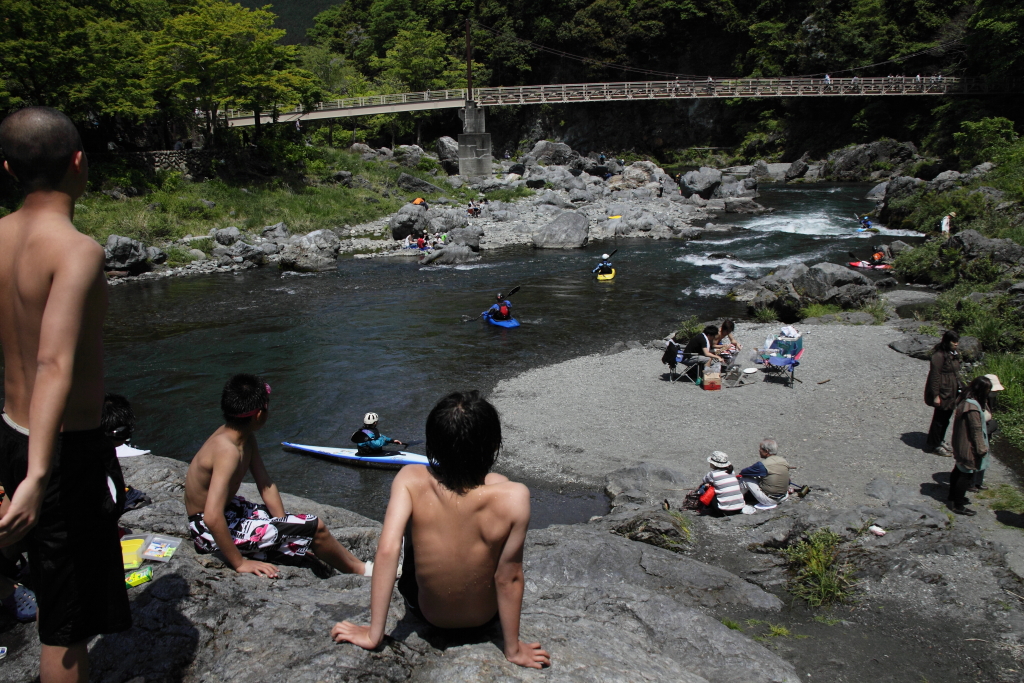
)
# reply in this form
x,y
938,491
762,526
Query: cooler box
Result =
x,y
789,346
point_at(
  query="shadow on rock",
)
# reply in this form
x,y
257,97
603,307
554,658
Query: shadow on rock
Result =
x,y
161,644
915,439
442,639
938,488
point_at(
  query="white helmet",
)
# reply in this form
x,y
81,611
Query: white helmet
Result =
x,y
605,256
370,419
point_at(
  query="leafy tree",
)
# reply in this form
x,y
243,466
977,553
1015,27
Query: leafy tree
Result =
x,y
978,141
220,54
335,73
997,39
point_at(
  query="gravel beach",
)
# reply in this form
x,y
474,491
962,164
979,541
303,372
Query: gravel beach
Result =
x,y
858,414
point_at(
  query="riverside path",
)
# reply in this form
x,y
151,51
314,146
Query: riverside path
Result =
x,y
676,89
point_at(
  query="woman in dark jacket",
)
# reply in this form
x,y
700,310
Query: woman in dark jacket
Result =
x,y
970,442
941,389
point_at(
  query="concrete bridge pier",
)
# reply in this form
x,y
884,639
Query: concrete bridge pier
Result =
x,y
474,144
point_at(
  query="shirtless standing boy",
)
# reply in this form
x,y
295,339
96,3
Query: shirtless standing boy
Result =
x,y
67,486
218,519
464,528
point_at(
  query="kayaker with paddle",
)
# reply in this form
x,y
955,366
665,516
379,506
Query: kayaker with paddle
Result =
x,y
369,440
605,266
502,308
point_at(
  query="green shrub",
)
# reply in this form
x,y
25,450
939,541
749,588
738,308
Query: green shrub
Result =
x,y
978,141
819,310
820,577
879,309
688,329
178,256
765,314
1009,367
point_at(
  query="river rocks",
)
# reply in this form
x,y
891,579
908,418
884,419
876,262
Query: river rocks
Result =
x,y
858,161
226,236
877,193
945,181
702,182
411,219
553,153
124,253
156,255
607,608
469,237
792,287
733,187
568,231
1005,254
197,254
798,168
409,155
414,184
450,255
821,279
343,178
310,253
448,154
275,232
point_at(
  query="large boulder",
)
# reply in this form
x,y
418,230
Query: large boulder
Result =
x,y
277,231
156,255
468,237
798,168
448,154
553,153
1005,254
411,219
568,231
445,220
227,236
247,252
702,182
409,155
857,162
414,184
877,193
450,255
124,253
311,253
828,282
733,187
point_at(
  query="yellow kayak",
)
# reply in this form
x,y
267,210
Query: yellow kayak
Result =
x,y
604,277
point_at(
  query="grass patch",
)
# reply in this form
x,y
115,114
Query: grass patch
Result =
x,y
931,330
683,524
175,207
1009,367
688,329
765,314
509,195
730,624
828,621
818,310
820,577
879,310
178,256
1004,497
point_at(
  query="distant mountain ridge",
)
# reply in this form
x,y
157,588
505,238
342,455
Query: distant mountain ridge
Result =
x,y
294,16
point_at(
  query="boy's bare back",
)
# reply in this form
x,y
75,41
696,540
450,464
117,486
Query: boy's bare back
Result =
x,y
459,541
52,289
218,467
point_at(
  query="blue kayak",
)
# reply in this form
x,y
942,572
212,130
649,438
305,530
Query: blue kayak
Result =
x,y
351,456
511,322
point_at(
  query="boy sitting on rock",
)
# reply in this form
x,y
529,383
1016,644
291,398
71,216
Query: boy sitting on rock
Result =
x,y
218,519
464,529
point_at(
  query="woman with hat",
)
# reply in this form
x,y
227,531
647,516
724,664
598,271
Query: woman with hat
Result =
x,y
991,427
970,443
728,495
941,389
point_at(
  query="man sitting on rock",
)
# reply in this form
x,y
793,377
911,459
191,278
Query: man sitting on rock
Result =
x,y
463,527
768,479
219,519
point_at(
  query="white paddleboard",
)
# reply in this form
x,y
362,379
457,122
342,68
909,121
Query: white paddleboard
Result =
x,y
350,456
126,451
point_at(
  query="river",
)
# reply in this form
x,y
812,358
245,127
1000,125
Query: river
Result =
x,y
386,335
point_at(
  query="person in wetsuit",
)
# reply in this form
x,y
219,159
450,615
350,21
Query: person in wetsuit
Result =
x,y
369,440
502,308
604,267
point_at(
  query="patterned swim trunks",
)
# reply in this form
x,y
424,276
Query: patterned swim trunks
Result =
x,y
255,532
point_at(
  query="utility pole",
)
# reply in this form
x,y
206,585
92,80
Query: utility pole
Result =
x,y
469,64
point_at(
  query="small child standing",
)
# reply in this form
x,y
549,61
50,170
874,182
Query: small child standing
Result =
x,y
219,519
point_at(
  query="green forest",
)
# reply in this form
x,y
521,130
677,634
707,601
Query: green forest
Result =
x,y
135,73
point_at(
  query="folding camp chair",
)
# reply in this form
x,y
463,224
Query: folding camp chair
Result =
x,y
781,366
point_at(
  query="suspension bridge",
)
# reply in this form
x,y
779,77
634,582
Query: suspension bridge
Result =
x,y
568,93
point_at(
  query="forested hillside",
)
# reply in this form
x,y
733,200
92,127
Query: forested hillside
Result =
x,y
137,70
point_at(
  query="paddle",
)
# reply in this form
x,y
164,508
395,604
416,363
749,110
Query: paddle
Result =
x,y
466,318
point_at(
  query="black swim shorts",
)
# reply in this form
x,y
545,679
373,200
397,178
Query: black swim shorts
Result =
x,y
73,551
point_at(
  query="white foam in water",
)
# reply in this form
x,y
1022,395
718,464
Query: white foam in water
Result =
x,y
819,223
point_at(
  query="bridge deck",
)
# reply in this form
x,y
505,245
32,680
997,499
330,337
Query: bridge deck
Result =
x,y
614,92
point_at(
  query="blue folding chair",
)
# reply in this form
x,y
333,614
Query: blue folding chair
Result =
x,y
783,366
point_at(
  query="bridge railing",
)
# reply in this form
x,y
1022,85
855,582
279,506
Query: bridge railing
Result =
x,y
358,102
649,90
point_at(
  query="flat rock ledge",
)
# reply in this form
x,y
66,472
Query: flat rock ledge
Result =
x,y
606,607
